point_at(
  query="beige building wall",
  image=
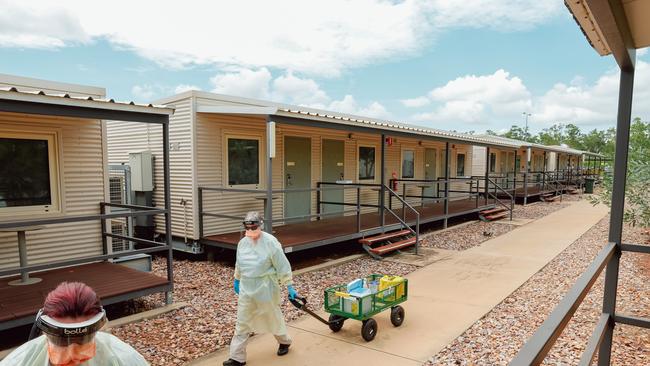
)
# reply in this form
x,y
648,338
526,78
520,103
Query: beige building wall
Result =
x,y
129,137
82,182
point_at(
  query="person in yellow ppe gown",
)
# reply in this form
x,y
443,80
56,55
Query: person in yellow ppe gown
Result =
x,y
260,269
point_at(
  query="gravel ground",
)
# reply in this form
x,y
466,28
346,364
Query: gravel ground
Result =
x,y
497,337
467,236
207,324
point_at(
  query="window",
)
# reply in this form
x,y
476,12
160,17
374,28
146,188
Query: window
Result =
x,y
28,173
366,162
243,161
408,164
460,165
493,162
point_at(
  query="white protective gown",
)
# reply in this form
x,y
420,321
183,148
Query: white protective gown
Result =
x,y
111,351
262,268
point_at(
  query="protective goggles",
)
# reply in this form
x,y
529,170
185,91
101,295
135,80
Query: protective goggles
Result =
x,y
251,225
64,334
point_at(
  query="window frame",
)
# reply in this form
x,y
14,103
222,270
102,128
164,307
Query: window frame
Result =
x,y
260,157
401,166
464,163
493,167
374,178
54,163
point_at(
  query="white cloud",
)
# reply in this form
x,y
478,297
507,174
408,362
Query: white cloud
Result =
x,y
593,105
282,35
144,92
498,100
415,102
642,52
243,83
25,25
185,87
292,89
299,91
476,99
350,106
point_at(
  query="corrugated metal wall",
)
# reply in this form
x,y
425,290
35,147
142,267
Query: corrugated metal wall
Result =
x,y
82,183
212,130
128,137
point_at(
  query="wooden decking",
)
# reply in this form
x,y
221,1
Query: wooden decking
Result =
x,y
303,235
112,282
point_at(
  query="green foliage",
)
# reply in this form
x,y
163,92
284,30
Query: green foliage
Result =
x,y
637,194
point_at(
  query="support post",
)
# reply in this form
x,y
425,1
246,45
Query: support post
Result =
x,y
446,205
487,173
169,296
514,176
270,153
544,173
382,190
617,209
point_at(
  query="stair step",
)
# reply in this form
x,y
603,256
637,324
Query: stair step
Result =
x,y
383,237
551,198
493,210
496,216
393,246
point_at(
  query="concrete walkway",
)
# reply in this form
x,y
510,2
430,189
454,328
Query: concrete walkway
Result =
x,y
445,298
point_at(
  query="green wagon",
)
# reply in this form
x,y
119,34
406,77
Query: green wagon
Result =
x,y
342,306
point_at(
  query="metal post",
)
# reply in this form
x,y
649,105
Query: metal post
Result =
x,y
102,222
487,173
446,205
404,201
22,252
268,223
514,176
358,209
318,185
382,190
168,214
617,208
200,198
544,173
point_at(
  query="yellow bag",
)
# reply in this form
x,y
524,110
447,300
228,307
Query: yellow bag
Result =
x,y
389,281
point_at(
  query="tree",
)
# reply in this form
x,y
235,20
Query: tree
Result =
x,y
637,194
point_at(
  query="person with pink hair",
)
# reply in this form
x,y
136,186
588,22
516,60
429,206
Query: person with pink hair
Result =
x,y
70,320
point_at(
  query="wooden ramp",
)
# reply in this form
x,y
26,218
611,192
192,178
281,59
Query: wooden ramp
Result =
x,y
112,282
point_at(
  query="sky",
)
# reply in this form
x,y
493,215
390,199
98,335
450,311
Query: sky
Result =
x,y
465,66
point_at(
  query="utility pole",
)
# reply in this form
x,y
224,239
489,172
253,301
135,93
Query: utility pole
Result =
x,y
526,115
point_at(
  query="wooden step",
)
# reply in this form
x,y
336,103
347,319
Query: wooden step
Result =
x,y
497,216
493,210
383,237
550,198
393,246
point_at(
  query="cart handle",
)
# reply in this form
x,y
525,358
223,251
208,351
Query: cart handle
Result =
x,y
303,306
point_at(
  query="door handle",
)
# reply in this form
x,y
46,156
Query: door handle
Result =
x,y
289,180
341,176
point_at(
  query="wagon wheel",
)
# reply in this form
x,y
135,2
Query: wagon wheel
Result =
x,y
336,322
397,315
369,329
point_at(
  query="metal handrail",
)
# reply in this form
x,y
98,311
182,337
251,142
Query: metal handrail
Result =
x,y
102,217
416,232
496,198
537,347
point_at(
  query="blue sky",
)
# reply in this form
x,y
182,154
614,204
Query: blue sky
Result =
x,y
435,63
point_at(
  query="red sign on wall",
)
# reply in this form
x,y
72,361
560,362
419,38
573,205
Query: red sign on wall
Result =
x,y
389,141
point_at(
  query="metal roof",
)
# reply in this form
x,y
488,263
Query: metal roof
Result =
x,y
390,125
285,110
39,96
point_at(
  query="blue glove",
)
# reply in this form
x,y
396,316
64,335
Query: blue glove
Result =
x,y
236,286
292,292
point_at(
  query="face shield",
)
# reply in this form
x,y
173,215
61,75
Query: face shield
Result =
x,y
65,334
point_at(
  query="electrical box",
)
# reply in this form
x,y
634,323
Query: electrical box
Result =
x,y
141,164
